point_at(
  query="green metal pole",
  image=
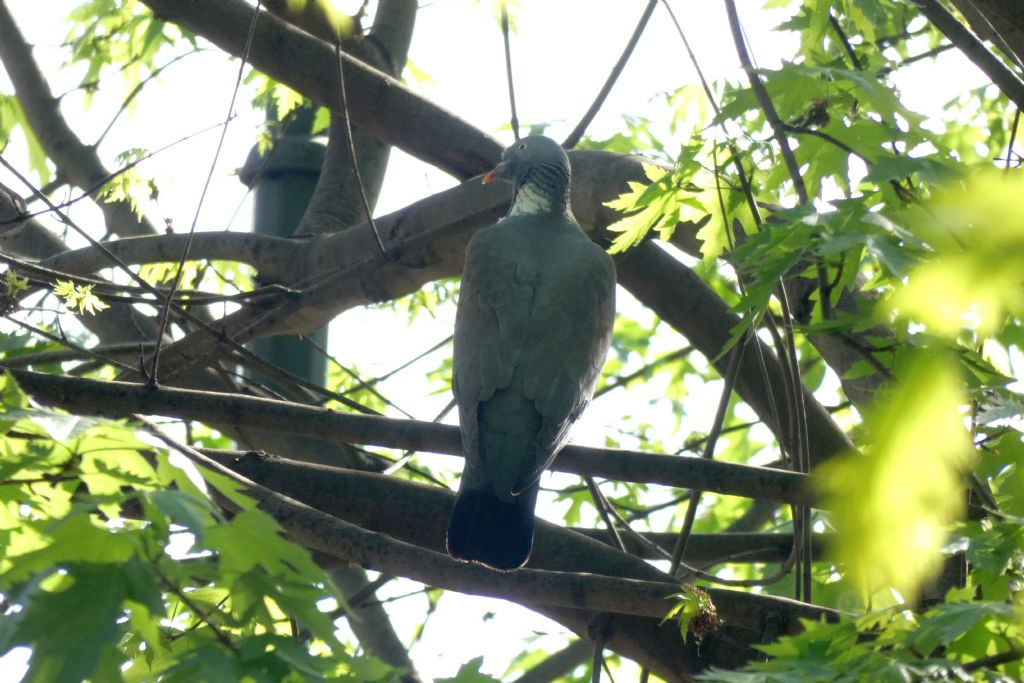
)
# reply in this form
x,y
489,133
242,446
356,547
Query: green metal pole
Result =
x,y
283,181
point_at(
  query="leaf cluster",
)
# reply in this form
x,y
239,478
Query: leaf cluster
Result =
x,y
117,565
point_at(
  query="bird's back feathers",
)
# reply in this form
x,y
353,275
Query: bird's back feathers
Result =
x,y
531,335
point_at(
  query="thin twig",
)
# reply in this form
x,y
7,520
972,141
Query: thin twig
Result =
x,y
623,380
360,383
356,175
709,450
576,135
854,59
66,342
394,371
66,220
26,360
801,528
765,102
904,193
748,194
138,89
41,276
1013,138
199,615
280,374
798,408
741,173
597,661
166,309
89,191
508,71
1011,655
601,503
912,59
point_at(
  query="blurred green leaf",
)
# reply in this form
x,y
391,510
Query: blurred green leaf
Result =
x,y
882,508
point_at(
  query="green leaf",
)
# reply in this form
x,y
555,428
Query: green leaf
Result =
x,y
882,508
470,673
974,279
899,167
694,612
185,509
73,540
79,296
945,623
254,538
71,626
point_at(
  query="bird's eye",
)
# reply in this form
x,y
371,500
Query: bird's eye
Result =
x,y
522,145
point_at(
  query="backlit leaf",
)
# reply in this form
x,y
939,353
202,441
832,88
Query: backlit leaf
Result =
x,y
895,500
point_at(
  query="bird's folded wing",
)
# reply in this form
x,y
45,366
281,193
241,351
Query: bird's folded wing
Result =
x,y
539,305
572,318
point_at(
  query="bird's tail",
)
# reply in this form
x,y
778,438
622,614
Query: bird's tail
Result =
x,y
487,529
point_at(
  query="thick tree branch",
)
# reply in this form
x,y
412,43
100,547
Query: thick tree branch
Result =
x,y
705,320
120,399
349,184
999,21
418,514
22,236
1006,80
76,161
344,195
430,237
419,127
269,255
380,103
707,549
559,593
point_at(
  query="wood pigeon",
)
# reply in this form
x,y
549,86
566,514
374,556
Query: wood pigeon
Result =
x,y
532,331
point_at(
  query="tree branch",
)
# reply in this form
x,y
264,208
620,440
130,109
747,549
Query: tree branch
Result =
x,y
765,102
370,501
704,318
120,399
21,235
1006,80
555,592
709,549
422,129
576,135
119,323
1000,22
429,237
380,103
77,162
268,255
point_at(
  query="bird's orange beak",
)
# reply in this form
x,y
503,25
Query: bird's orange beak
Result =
x,y
494,173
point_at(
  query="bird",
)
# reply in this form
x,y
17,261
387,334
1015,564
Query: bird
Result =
x,y
532,330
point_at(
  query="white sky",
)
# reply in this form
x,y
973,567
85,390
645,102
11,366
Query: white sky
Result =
x,y
561,56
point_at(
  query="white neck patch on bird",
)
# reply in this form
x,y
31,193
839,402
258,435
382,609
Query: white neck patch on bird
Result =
x,y
531,200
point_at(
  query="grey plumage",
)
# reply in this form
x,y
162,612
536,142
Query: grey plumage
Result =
x,y
531,334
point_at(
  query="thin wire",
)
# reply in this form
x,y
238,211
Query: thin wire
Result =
x,y
165,311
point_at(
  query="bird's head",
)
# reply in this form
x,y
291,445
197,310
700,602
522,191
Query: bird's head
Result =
x,y
531,153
